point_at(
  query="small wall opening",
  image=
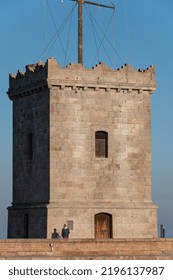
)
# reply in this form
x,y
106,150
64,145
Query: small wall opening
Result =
x,y
26,226
101,144
30,146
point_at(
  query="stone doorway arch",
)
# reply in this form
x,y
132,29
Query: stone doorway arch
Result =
x,y
103,225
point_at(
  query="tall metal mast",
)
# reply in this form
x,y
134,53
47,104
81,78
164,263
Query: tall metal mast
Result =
x,y
80,24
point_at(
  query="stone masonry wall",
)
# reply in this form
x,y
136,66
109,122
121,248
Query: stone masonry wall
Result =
x,y
81,185
121,249
30,175
37,222
30,160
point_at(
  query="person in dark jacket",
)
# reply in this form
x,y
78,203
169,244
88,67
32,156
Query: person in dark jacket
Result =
x,y
65,232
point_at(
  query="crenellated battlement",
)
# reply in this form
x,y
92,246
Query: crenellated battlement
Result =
x,y
33,73
76,75
30,68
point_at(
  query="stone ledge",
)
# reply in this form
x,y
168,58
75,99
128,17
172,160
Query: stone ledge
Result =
x,y
118,249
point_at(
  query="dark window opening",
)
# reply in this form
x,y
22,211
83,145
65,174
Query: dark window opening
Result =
x,y
101,144
26,226
30,146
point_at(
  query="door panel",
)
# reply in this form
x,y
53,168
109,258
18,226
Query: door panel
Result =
x,y
103,226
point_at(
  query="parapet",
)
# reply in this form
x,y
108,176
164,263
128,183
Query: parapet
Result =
x,y
34,74
75,75
87,249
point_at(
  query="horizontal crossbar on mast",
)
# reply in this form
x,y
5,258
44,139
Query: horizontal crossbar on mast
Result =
x,y
95,4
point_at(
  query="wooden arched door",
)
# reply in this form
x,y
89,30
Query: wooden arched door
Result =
x,y
103,226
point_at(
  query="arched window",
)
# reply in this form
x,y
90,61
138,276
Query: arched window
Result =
x,y
101,144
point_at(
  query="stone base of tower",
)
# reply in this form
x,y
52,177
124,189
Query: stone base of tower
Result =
x,y
86,221
106,222
27,221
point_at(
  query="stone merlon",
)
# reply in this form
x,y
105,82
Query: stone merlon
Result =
x,y
75,75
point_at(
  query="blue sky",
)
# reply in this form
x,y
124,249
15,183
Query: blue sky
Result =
x,y
141,32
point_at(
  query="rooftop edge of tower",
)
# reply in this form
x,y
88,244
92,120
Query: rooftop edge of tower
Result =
x,y
101,75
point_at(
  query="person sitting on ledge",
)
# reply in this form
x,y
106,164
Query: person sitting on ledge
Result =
x,y
55,234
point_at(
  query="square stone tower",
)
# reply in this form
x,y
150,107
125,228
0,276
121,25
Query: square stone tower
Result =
x,y
82,151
